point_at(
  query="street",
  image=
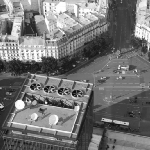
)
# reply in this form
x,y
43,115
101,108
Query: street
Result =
x,y
113,98
5,84
122,23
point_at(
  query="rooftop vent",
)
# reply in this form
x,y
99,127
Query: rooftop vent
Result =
x,y
35,86
64,91
77,93
49,89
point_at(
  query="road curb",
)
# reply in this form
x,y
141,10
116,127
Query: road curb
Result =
x,y
81,65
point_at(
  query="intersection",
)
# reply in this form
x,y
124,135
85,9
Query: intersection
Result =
x,y
114,99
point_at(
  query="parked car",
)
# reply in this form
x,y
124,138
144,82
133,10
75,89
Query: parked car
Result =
x,y
11,90
7,99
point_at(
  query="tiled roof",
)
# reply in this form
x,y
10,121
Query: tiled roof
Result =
x,y
31,40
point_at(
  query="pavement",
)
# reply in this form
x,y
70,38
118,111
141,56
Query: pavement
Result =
x,y
123,19
111,98
7,82
122,141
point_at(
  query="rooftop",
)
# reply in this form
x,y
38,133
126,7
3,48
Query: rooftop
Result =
x,y
56,34
91,17
3,26
84,20
40,23
67,1
66,20
91,6
59,97
8,37
16,26
17,7
28,40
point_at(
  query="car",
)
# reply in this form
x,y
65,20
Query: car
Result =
x,y
11,90
8,93
120,77
103,78
7,99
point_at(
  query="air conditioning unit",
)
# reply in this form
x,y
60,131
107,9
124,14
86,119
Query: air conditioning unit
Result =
x,y
49,89
35,86
77,93
64,91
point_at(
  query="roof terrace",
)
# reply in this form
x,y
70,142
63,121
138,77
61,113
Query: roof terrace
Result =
x,y
50,107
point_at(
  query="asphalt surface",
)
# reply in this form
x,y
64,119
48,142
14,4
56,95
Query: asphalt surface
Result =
x,y
111,98
123,23
6,83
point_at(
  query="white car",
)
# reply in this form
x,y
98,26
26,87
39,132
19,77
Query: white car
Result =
x,y
120,77
103,78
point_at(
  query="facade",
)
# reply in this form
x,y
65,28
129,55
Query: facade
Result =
x,y
50,113
143,31
63,29
9,47
142,27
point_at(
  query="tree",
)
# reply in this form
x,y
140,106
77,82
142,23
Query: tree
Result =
x,y
35,67
64,64
86,53
144,49
15,66
1,65
149,56
49,65
135,42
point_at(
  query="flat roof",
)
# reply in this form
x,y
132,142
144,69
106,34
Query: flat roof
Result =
x,y
69,120
28,40
16,30
41,25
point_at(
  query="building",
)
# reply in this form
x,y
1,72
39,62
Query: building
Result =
x,y
50,113
3,26
142,27
9,47
40,25
17,28
31,48
63,30
9,5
